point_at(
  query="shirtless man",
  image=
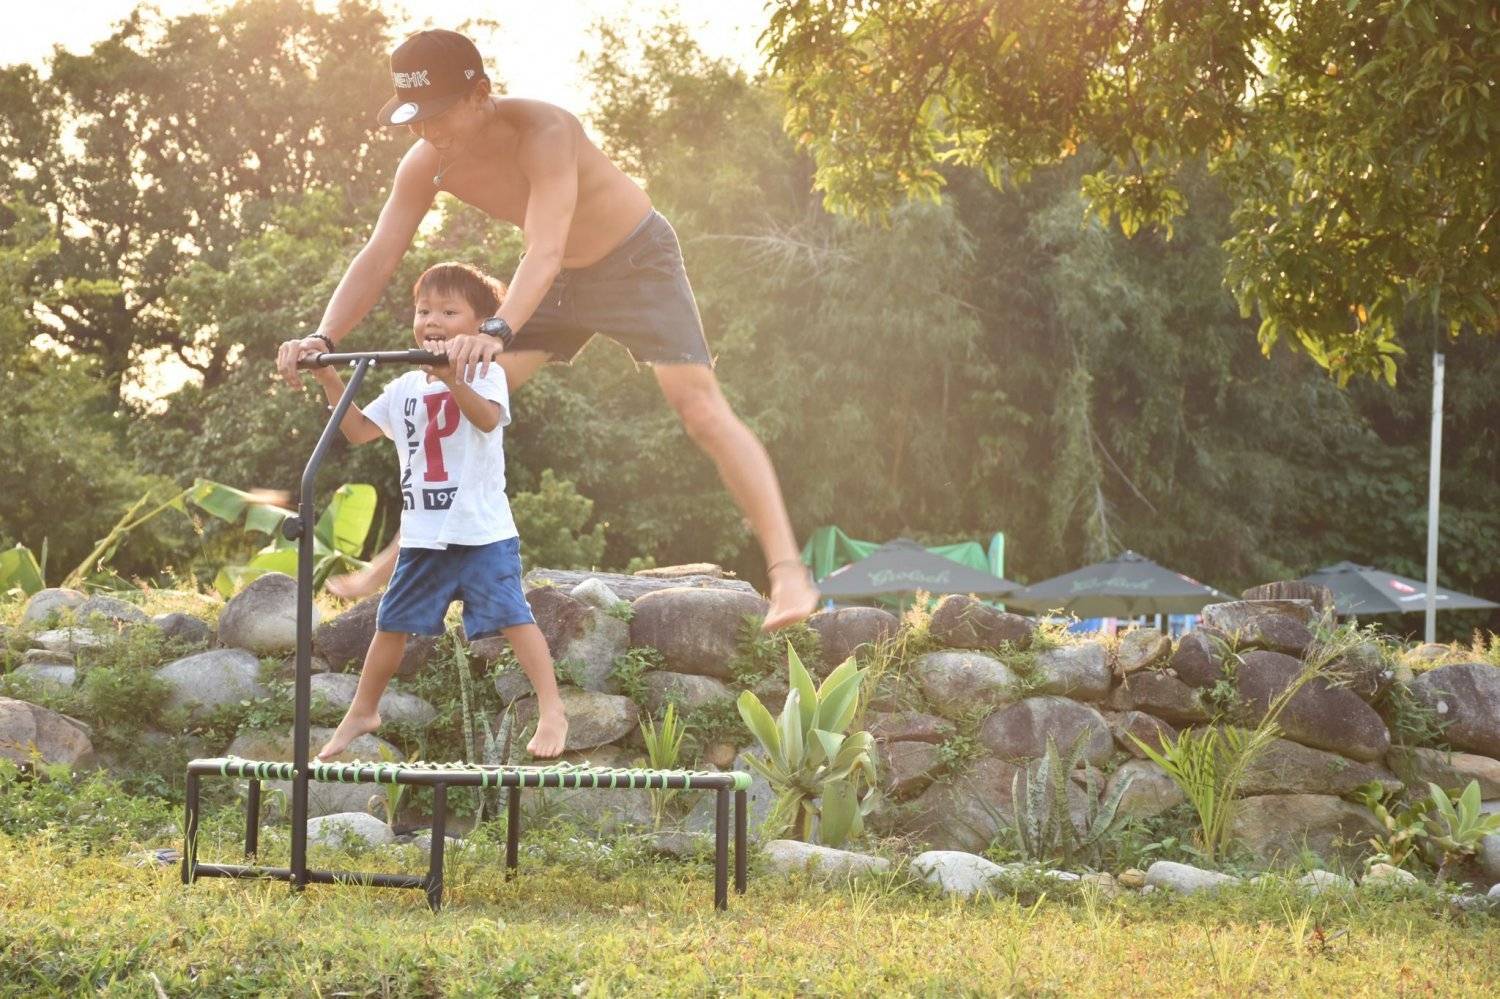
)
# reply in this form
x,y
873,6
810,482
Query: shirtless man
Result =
x,y
598,258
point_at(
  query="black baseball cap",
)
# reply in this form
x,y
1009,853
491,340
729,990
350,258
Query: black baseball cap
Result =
x,y
432,70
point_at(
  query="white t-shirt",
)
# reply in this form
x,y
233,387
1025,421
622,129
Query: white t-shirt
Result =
x,y
452,473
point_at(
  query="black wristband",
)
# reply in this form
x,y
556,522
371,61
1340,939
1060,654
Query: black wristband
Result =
x,y
500,329
324,337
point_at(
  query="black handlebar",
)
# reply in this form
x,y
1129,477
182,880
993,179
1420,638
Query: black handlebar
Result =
x,y
374,356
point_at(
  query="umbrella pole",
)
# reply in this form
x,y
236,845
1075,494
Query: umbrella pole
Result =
x,y
1434,473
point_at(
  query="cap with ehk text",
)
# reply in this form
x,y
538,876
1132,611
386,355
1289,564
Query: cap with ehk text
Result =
x,y
431,71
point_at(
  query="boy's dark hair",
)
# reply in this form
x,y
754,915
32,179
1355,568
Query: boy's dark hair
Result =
x,y
482,292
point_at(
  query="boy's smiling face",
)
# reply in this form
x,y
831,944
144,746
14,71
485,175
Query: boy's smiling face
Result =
x,y
442,315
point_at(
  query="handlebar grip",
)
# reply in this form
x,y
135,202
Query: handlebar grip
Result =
x,y
374,356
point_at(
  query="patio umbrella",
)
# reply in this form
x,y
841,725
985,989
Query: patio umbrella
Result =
x,y
903,566
1124,586
1359,589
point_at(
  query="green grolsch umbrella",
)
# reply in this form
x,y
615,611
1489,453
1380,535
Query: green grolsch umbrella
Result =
x,y
1359,589
1124,586
903,566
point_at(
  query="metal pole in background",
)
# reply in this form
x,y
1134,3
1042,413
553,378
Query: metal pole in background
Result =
x,y
1434,472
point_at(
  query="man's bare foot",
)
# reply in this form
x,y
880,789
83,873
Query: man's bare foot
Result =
x,y
551,735
352,727
793,595
353,585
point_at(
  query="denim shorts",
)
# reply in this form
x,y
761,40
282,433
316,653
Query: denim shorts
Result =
x,y
487,578
636,295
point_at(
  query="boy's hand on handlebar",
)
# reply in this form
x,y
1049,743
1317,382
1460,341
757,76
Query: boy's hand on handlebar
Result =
x,y
470,354
443,372
292,351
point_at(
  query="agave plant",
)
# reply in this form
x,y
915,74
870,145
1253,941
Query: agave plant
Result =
x,y
1458,825
816,769
1044,823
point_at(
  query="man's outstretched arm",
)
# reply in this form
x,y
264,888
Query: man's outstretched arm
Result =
x,y
362,284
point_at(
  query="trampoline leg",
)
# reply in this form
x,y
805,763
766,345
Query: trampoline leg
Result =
x,y
190,832
252,820
741,859
721,848
512,829
435,857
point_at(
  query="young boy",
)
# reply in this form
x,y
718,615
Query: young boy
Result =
x,y
458,540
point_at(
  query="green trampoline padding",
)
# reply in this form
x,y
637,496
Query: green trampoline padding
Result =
x,y
560,775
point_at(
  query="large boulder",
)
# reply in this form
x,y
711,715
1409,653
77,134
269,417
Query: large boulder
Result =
x,y
1160,695
956,872
111,610
396,707
322,798
1288,767
1185,879
790,856
1141,648
1150,790
685,689
957,683
184,628
845,630
210,679
1078,671
68,641
27,728
1447,769
585,637
56,676
1276,625
1196,661
961,622
1020,731
596,593
907,767
594,718
909,726
1466,697
1319,714
343,641
1363,670
967,812
348,829
1277,827
43,604
1148,729
696,630
263,617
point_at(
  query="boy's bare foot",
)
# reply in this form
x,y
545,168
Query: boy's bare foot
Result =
x,y
551,735
793,595
352,727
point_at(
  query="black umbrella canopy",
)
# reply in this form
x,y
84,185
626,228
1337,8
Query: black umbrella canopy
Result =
x,y
1360,589
903,566
1124,586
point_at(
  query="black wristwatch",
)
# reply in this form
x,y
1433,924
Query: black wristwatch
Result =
x,y
497,327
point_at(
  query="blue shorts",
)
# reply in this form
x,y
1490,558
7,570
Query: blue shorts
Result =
x,y
487,578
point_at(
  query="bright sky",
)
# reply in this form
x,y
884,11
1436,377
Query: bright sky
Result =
x,y
535,53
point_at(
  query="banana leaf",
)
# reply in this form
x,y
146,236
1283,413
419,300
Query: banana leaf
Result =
x,y
19,571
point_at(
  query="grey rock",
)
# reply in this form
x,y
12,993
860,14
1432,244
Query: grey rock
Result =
x,y
27,728
1078,671
790,856
42,657
1320,882
909,726
1319,714
956,683
1466,697
1196,660
322,798
1159,695
511,684
1185,878
956,872
57,676
343,641
346,828
1146,728
184,628
1276,827
1364,671
209,679
422,841
1020,731
1448,769
907,767
682,845
54,600
598,641
845,630
961,622
1386,876
1150,791
1489,857
967,812
631,587
759,801
1142,648
595,592
263,616
395,706
112,609
68,641
594,719
696,630
687,690
1288,767
1276,625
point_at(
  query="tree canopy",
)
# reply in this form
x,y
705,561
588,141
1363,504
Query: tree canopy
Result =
x,y
1356,139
